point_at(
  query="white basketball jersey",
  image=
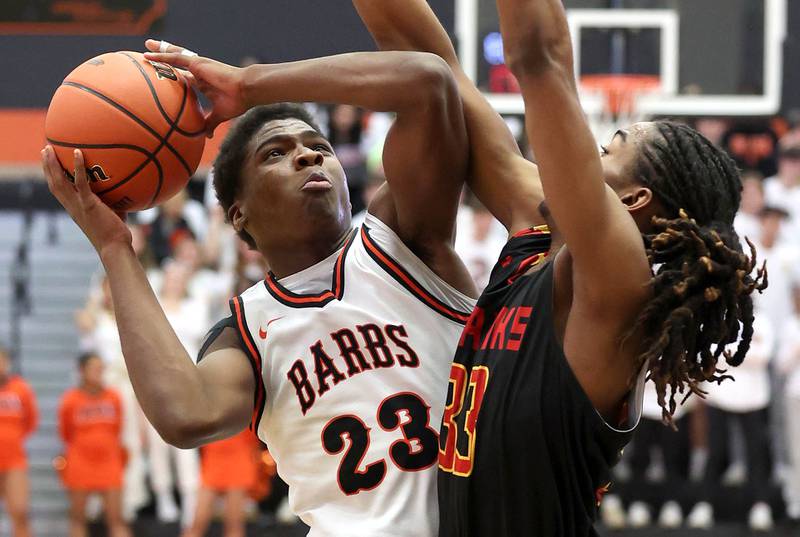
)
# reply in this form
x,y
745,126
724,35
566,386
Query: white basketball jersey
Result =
x,y
354,384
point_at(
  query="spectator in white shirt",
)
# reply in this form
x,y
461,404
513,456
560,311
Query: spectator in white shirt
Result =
x,y
479,239
789,365
744,400
747,222
783,258
783,190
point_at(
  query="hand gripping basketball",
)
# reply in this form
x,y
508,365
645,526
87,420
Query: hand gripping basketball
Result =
x,y
219,82
97,220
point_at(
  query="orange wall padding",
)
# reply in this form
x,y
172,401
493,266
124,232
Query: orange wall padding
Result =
x,y
22,137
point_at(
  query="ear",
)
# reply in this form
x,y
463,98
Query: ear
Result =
x,y
637,199
236,216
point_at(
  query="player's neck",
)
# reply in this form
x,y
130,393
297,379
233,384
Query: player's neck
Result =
x,y
287,261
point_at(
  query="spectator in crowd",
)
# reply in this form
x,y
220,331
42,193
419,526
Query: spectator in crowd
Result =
x,y
345,129
747,222
229,470
745,401
753,145
479,240
189,318
783,259
675,449
251,267
789,364
172,220
783,189
18,418
99,335
374,182
90,422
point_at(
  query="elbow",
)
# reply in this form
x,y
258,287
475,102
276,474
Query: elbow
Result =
x,y
432,80
181,436
184,432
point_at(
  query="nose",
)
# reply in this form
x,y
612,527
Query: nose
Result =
x,y
307,157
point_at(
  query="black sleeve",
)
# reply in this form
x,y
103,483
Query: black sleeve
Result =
x,y
224,326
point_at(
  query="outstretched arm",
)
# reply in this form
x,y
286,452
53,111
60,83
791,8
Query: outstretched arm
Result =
x,y
500,176
607,249
187,404
425,155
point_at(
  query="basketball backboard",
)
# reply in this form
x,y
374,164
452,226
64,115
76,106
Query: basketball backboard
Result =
x,y
712,57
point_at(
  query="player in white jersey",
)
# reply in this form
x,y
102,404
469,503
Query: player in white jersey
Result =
x,y
351,335
355,382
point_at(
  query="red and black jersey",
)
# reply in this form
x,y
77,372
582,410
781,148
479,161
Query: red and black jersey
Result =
x,y
522,449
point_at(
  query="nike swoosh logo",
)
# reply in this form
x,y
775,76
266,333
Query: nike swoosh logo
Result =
x,y
262,332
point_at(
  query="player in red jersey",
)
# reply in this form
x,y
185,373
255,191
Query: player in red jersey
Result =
x,y
18,417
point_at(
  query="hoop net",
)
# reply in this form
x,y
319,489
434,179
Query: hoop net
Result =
x,y
619,100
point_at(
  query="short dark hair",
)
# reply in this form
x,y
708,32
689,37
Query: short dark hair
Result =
x,y
84,358
229,161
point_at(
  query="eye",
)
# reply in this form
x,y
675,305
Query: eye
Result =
x,y
272,153
603,150
321,147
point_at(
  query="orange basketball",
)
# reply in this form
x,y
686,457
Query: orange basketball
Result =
x,y
138,124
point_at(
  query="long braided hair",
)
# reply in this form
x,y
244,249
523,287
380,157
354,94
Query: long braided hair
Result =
x,y
702,279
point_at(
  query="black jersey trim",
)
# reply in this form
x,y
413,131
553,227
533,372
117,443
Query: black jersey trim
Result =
x,y
317,300
260,395
404,278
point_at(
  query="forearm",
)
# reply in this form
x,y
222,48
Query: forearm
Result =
x,y
164,377
380,81
536,36
406,25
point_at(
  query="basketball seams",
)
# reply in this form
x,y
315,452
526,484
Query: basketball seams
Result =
x,y
160,107
166,137
164,142
151,157
163,112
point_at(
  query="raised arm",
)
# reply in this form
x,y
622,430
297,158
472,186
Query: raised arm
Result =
x,y
425,155
606,246
500,176
187,404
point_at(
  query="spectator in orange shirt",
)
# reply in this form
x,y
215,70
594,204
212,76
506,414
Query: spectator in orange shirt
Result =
x,y
228,469
18,417
90,420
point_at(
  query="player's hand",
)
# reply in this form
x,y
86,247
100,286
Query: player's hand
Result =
x,y
219,82
101,225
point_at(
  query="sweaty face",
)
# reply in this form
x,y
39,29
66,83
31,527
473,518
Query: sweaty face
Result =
x,y
293,186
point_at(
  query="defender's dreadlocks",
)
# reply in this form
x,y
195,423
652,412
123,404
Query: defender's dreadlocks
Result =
x,y
702,283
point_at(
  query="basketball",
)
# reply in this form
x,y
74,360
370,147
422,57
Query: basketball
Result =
x,y
138,123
